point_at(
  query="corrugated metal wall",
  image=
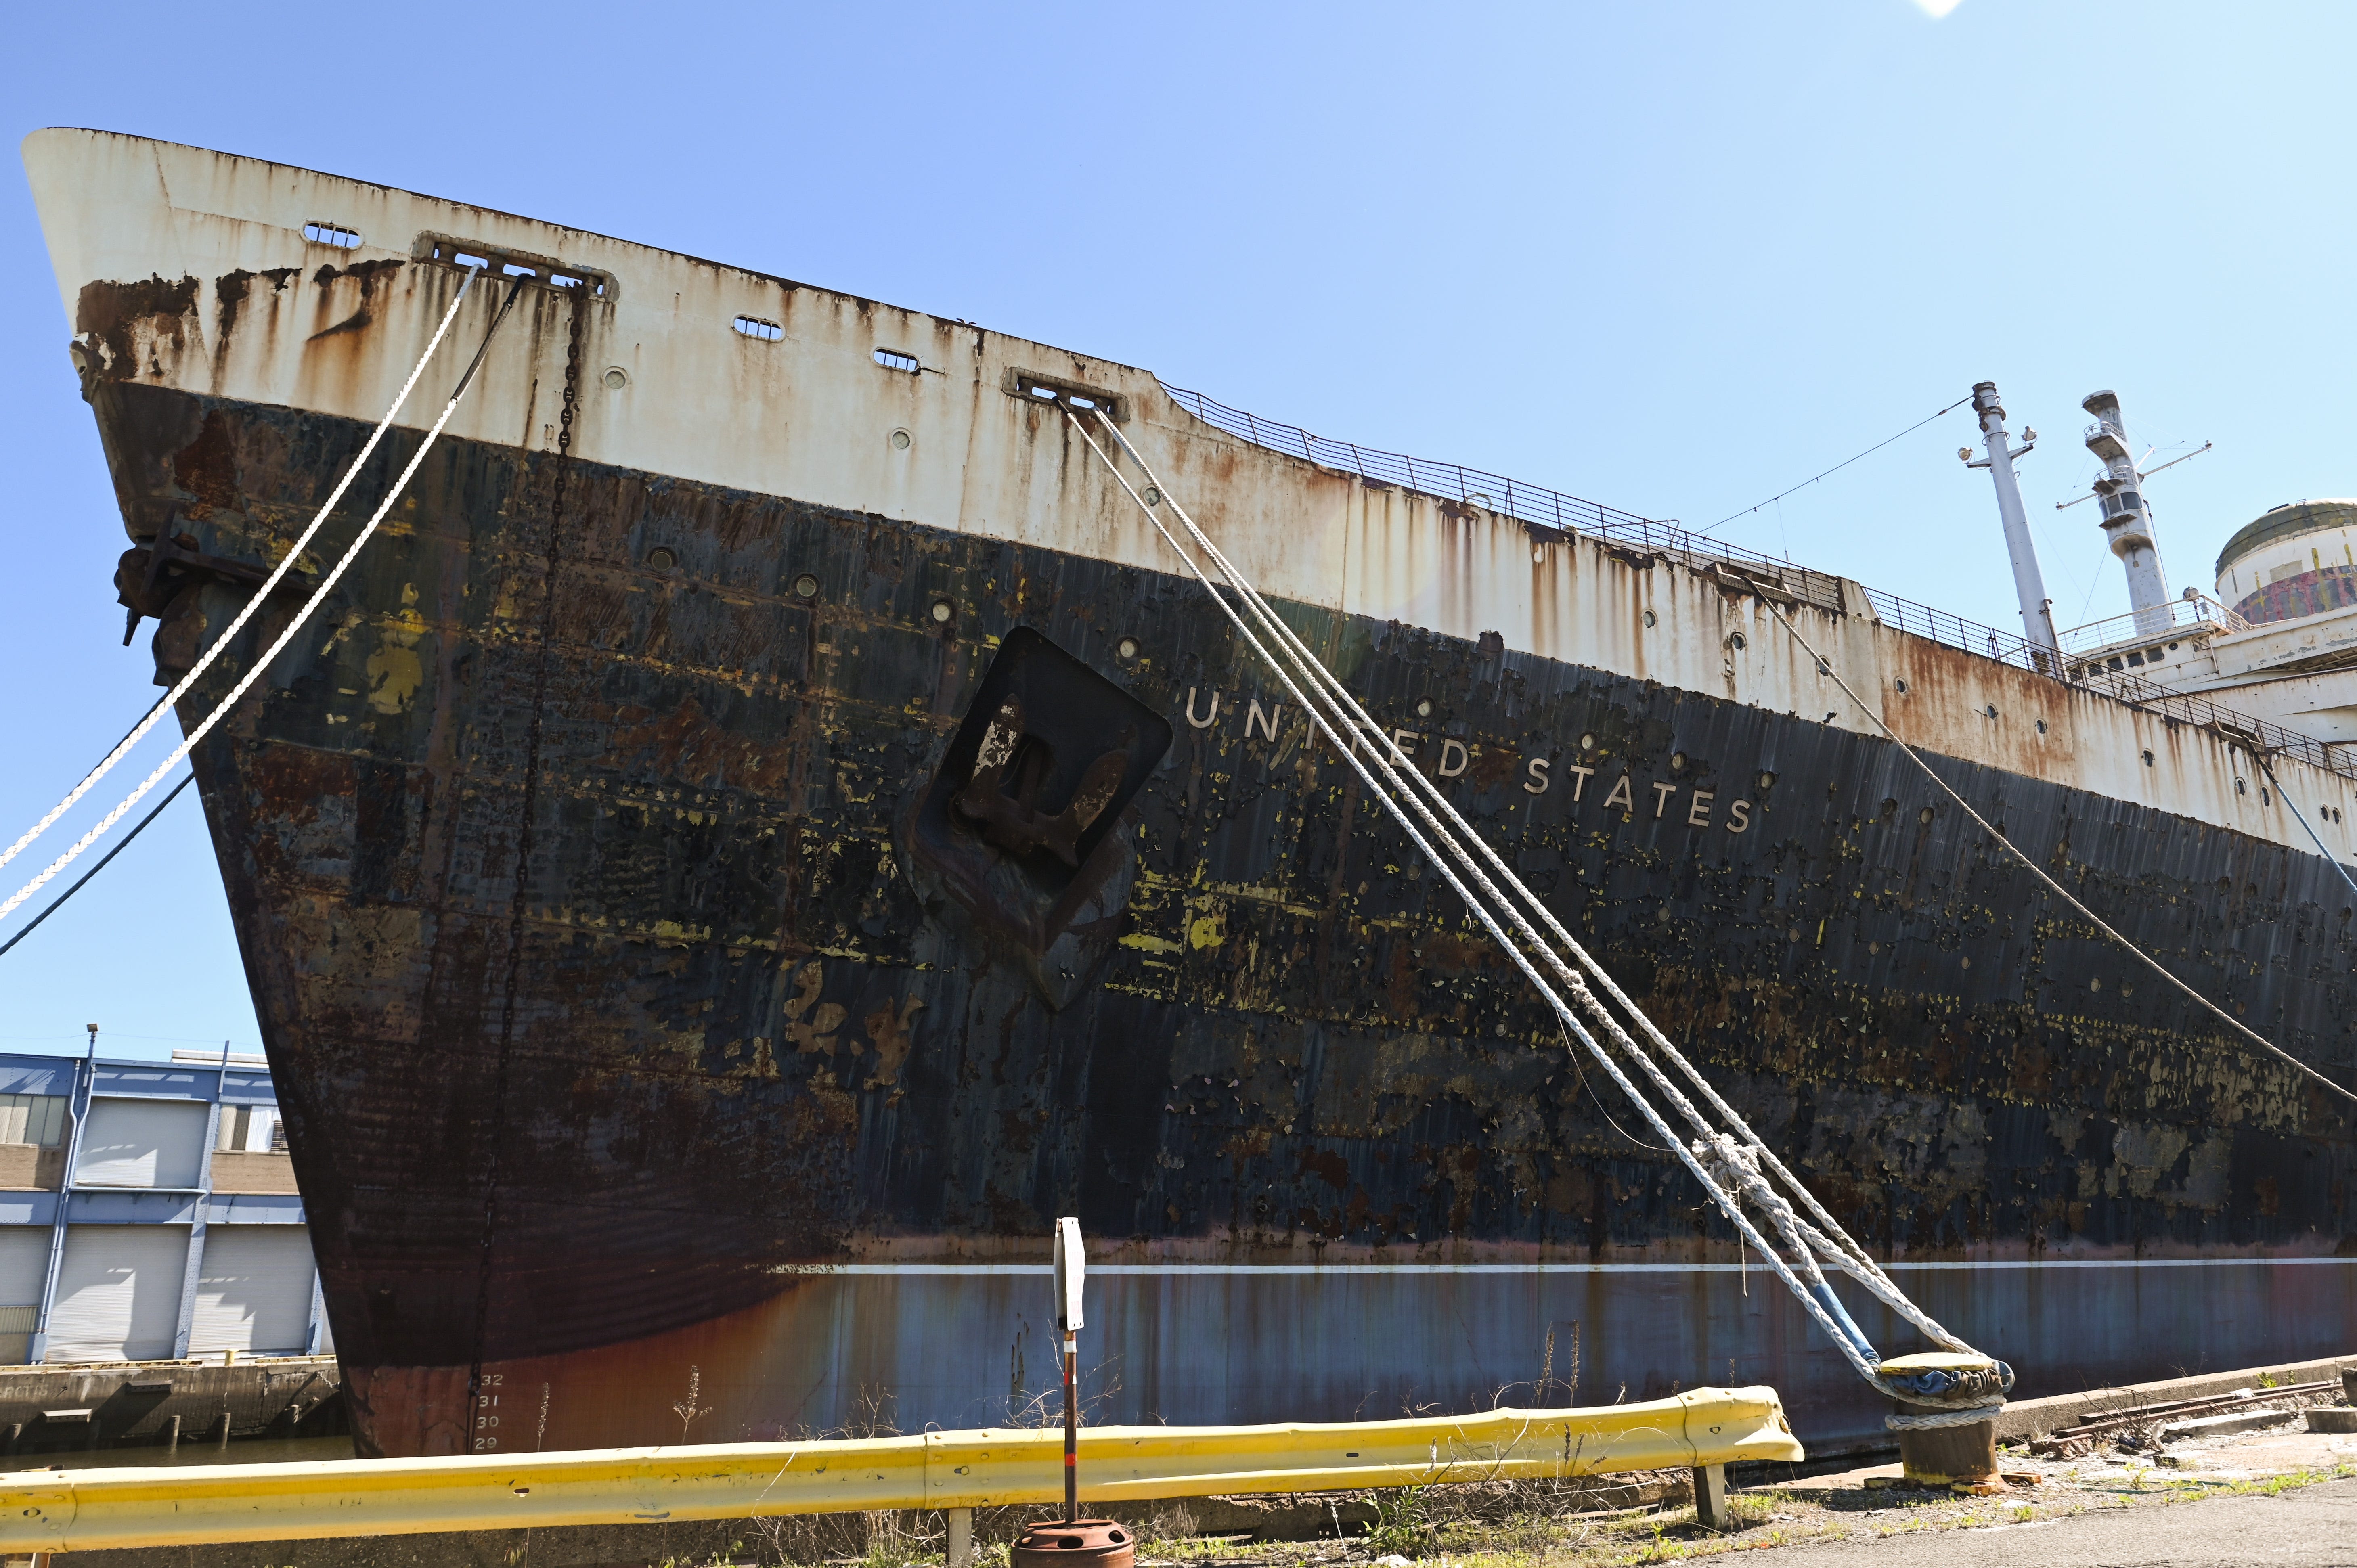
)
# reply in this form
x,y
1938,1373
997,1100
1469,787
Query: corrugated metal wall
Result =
x,y
142,1143
143,1175
253,1292
35,1119
24,1258
119,1292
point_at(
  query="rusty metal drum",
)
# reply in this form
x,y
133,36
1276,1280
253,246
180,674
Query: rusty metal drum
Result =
x,y
1095,1543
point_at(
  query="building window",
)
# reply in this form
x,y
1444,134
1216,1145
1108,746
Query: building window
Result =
x,y
250,1129
35,1119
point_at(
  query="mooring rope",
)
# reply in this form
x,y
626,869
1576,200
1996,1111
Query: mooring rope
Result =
x,y
186,682
2314,837
1825,667
1334,711
1843,1251
254,671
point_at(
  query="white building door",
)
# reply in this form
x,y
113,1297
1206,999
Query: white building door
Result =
x,y
23,1259
253,1290
119,1292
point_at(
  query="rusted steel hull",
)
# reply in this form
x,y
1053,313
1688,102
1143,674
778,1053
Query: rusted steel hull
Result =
x,y
750,1048
669,1020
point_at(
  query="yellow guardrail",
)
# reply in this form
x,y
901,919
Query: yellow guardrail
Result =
x,y
68,1510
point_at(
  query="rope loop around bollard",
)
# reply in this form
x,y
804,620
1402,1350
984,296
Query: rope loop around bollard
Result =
x,y
1936,1418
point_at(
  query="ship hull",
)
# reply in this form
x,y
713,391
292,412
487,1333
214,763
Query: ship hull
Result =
x,y
770,1116
868,1349
682,1032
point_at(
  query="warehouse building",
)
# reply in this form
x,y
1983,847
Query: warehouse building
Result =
x,y
148,1212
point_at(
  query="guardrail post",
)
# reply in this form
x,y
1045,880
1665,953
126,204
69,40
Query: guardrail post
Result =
x,y
1710,1498
961,1537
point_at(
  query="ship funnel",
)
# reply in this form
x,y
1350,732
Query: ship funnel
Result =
x,y
2127,521
2029,583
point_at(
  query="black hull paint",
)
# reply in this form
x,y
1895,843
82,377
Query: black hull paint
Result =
x,y
757,1031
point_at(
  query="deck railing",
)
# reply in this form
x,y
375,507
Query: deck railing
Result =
x,y
1527,503
2252,734
1538,505
2200,613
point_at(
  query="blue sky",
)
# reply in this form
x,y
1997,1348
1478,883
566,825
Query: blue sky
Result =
x,y
1673,257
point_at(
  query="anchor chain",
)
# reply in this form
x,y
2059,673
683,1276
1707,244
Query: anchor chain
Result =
x,y
519,900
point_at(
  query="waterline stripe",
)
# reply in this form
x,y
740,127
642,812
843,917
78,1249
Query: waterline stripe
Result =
x,y
1150,1270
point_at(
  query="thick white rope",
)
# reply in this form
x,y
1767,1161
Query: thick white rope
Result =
x,y
1825,667
287,563
2310,828
1846,1253
1944,1418
254,670
1843,1251
1485,912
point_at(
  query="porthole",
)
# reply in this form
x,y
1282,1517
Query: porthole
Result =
x,y
1649,618
2041,726
617,378
1990,711
753,327
899,441
1735,641
1899,685
1793,935
1677,762
661,558
942,612
1125,649
2147,759
1873,949
334,234
806,586
1587,743
1151,496
1925,817
1767,780
1424,708
2096,982
2241,788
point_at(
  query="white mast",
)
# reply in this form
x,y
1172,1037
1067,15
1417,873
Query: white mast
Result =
x,y
2036,614
2126,521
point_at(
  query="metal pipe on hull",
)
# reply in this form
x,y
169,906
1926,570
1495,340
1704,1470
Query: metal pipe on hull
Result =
x,y
2128,518
2029,582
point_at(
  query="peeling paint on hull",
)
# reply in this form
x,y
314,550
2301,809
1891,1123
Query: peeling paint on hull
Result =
x,y
750,1044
